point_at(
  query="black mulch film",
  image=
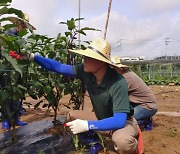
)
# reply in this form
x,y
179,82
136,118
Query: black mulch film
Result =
x,y
34,139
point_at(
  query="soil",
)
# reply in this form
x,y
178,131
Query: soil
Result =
x,y
163,139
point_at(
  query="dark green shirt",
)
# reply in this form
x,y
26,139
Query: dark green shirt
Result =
x,y
111,96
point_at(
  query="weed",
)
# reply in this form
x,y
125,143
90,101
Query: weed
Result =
x,y
172,132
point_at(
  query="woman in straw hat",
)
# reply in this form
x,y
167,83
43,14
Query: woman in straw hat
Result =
x,y
20,25
140,95
108,92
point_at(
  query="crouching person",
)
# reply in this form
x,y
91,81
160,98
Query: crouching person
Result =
x,y
108,92
141,97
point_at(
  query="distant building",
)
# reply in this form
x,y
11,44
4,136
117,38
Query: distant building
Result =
x,y
132,58
168,58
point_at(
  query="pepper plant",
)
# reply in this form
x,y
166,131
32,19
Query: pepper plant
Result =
x,y
52,86
12,76
19,79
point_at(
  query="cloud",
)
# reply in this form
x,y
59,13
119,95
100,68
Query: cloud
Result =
x,y
140,26
157,6
42,13
88,7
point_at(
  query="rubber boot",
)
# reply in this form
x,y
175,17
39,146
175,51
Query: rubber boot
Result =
x,y
91,140
148,124
141,122
145,124
89,137
6,125
95,148
21,110
20,123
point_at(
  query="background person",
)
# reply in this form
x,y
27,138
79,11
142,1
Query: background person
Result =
x,y
140,95
108,92
20,25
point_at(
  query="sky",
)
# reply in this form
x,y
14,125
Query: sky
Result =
x,y
136,28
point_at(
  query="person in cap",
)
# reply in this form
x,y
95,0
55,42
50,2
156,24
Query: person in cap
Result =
x,y
140,95
108,92
20,25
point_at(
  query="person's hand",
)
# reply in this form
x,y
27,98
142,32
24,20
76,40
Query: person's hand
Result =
x,y
28,57
78,126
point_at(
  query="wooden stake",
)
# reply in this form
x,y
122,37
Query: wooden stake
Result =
x,y
107,20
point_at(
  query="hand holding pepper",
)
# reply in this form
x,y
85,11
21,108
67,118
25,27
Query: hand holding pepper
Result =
x,y
14,54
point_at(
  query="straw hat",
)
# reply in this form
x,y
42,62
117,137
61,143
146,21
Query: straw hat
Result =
x,y
117,62
25,21
98,49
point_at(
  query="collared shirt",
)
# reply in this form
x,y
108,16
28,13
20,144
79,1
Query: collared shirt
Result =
x,y
139,92
110,96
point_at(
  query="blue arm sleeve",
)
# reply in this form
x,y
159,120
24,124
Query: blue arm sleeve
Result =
x,y
116,122
54,66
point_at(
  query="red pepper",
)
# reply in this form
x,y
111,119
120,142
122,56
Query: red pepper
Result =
x,y
18,57
65,125
13,54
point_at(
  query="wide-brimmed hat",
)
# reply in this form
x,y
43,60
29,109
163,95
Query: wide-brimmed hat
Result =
x,y
24,21
117,62
98,49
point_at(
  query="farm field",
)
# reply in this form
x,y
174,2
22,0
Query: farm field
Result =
x,y
165,136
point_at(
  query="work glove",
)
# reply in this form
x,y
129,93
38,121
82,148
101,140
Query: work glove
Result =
x,y
16,55
78,126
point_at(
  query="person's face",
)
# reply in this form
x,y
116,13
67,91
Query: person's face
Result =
x,y
21,26
119,70
92,65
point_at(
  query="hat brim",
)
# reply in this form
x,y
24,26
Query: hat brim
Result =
x,y
19,20
121,65
92,54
